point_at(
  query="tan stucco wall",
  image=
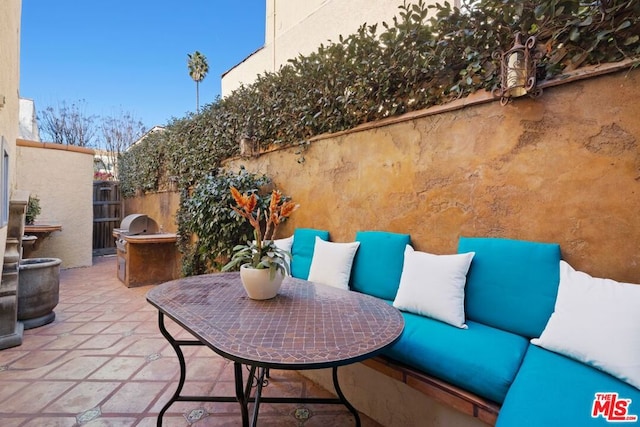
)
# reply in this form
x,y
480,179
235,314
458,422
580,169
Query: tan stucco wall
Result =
x,y
564,168
10,13
296,27
161,207
62,177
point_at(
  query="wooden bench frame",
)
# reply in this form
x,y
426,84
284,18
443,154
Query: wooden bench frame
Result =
x,y
442,392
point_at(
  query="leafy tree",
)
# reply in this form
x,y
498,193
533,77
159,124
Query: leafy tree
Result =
x,y
198,69
68,124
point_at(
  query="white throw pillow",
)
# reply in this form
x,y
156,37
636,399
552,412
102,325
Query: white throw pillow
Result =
x,y
331,263
597,322
285,244
433,285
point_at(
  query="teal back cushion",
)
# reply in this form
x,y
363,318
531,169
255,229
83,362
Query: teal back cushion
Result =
x,y
377,266
304,240
512,284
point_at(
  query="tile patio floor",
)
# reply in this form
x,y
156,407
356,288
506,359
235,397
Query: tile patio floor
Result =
x,y
103,362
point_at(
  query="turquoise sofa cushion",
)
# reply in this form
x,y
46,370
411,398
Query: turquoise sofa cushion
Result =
x,y
551,390
481,359
304,240
511,284
377,266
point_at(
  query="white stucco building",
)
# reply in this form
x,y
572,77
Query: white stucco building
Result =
x,y
296,27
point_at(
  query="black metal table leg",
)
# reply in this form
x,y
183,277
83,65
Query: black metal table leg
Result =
x,y
181,361
343,399
241,395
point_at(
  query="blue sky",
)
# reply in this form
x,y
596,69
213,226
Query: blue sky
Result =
x,y
131,55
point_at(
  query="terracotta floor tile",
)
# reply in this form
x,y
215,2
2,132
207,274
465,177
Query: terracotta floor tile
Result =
x,y
119,368
104,361
37,359
121,327
133,397
100,342
67,341
35,397
9,388
50,422
78,369
82,397
162,369
13,421
93,327
10,355
30,342
146,346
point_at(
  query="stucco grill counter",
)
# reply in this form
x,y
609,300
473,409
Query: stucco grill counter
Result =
x,y
145,254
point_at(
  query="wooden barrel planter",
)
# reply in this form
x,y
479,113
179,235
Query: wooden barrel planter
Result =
x,y
38,291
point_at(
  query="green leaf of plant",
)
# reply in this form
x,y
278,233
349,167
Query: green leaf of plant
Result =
x,y
625,24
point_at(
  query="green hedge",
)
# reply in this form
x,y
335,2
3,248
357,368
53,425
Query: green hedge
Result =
x,y
409,64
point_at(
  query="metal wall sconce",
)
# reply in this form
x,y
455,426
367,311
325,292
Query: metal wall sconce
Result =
x,y
248,143
517,70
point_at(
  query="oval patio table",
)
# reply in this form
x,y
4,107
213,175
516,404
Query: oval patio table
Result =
x,y
306,326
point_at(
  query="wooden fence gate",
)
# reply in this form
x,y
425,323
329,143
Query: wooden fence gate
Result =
x,y
107,214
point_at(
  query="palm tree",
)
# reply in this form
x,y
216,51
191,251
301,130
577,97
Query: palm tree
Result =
x,y
198,69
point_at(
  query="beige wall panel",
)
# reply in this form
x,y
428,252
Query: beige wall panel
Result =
x,y
63,180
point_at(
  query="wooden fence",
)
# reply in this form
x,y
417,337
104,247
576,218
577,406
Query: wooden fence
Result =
x,y
107,214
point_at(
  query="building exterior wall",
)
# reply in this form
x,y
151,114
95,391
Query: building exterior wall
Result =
x,y
9,86
62,178
296,27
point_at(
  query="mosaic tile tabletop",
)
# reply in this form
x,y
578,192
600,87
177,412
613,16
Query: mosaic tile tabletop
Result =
x,y
306,325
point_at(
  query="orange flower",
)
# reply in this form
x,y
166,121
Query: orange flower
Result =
x,y
278,211
261,252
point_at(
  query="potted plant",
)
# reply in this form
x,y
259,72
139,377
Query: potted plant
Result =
x,y
262,264
33,210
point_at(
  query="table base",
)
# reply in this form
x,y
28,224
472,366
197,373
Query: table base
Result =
x,y
243,392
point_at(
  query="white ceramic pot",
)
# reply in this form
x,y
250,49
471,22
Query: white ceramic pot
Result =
x,y
258,284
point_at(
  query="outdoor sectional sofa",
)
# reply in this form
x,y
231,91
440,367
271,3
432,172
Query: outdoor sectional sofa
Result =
x,y
477,339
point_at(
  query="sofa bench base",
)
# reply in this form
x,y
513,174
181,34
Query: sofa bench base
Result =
x,y
444,393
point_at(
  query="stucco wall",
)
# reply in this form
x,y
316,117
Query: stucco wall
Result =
x,y
62,177
9,83
162,207
563,168
296,27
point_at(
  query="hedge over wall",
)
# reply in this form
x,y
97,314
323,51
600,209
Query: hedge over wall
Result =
x,y
427,55
411,63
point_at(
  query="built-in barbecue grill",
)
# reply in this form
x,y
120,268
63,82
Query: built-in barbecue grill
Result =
x,y
146,255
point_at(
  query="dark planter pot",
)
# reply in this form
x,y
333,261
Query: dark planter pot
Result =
x,y
38,291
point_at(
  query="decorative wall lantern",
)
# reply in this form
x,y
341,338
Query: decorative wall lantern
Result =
x,y
248,142
517,70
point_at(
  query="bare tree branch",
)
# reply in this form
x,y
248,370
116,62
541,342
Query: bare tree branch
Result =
x,y
68,124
